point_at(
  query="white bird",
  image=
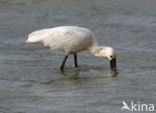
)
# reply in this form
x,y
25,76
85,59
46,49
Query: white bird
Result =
x,y
70,40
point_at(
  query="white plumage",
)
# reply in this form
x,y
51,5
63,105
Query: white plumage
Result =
x,y
71,39
68,38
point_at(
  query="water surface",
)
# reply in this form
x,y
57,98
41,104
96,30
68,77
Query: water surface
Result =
x,y
30,81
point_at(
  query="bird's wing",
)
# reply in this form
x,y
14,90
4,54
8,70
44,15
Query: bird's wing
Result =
x,y
38,36
67,39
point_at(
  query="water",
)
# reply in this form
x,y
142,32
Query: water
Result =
x,y
30,81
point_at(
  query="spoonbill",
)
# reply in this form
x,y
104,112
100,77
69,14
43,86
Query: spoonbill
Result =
x,y
70,40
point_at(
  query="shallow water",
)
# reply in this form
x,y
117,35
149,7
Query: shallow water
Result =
x,y
30,81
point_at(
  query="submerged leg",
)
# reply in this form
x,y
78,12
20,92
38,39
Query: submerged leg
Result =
x,y
75,60
63,63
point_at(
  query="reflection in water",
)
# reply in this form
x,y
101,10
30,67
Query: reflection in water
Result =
x,y
76,71
110,73
113,73
79,76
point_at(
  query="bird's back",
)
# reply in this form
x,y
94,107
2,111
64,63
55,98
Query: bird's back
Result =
x,y
69,38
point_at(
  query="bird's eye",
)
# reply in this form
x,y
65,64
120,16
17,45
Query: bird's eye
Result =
x,y
111,56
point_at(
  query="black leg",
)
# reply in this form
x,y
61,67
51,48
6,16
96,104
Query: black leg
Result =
x,y
75,60
63,63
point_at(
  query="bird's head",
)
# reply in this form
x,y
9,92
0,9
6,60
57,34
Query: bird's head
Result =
x,y
107,52
111,56
104,51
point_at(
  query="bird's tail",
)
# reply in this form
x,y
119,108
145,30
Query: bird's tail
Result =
x,y
33,40
36,37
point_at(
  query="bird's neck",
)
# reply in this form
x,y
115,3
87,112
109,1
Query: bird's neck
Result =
x,y
98,51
